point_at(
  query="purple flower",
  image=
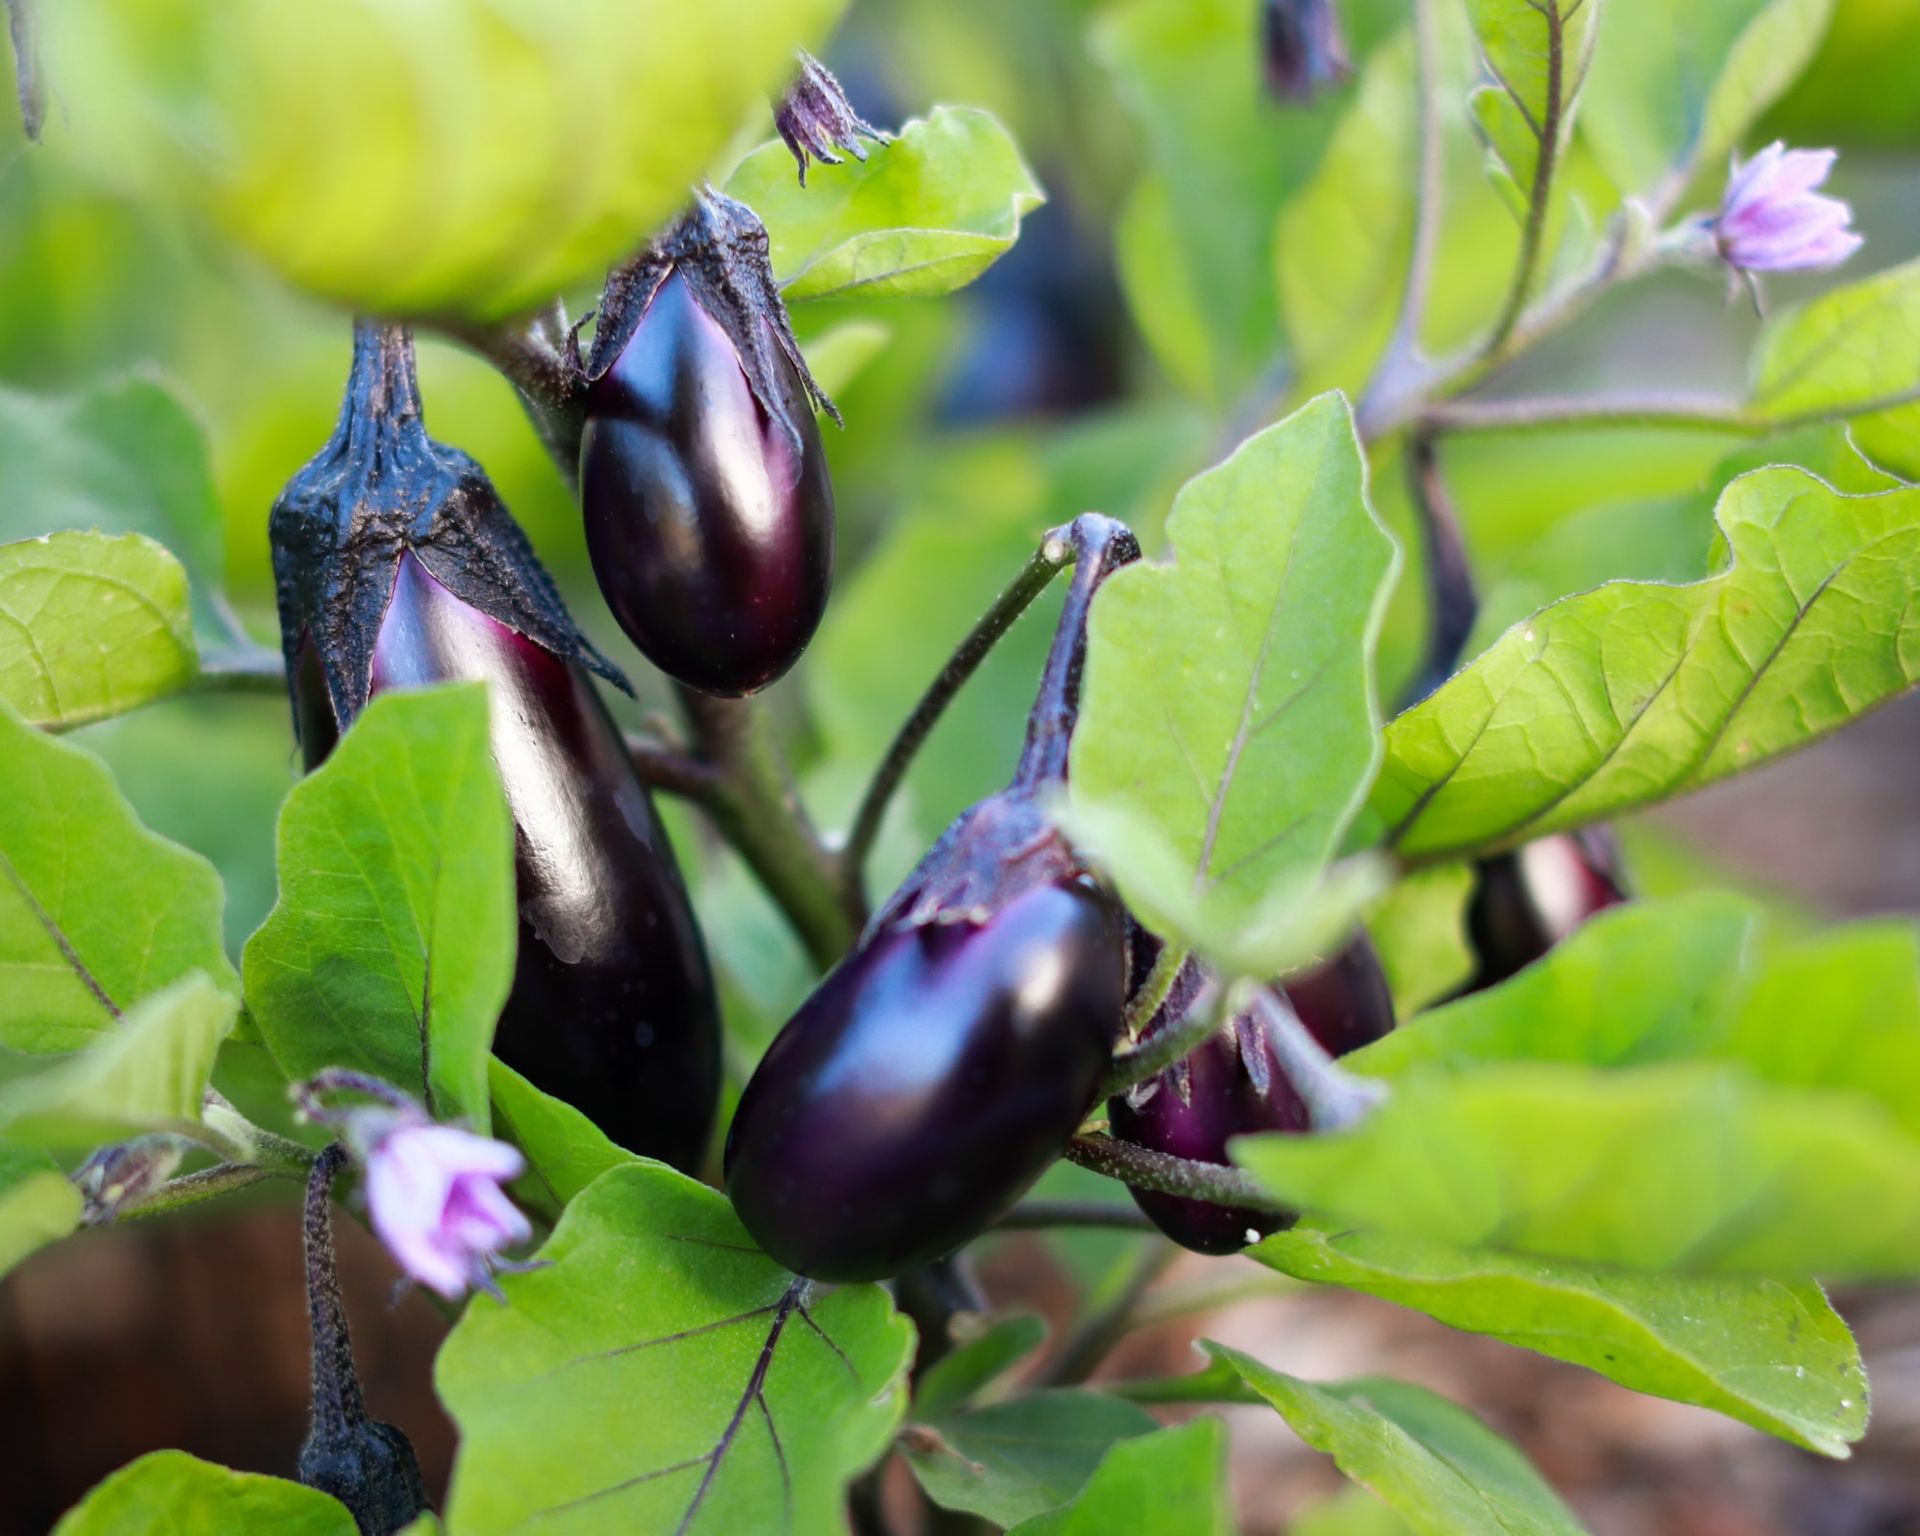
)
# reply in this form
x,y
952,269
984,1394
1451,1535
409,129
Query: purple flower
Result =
x,y
1771,219
433,1192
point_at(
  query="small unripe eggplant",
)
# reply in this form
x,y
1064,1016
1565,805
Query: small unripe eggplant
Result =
x,y
948,1060
1235,1085
709,511
1527,901
399,568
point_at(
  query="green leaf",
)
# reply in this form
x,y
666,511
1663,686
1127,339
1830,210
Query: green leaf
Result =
x,y
1686,1167
565,1150
391,947
95,911
1351,1512
511,153
959,1375
169,1492
919,217
1638,691
91,626
653,1296
1436,1465
1014,1460
1538,51
126,456
839,355
1772,1355
1841,354
1420,929
1228,702
149,1074
1675,87
1171,1481
38,1204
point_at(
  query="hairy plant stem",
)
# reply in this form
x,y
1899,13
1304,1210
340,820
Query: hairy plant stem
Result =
x,y
1094,1339
1175,1041
1033,578
1636,408
538,357
1039,1215
1145,1003
1145,1169
337,1403
197,1188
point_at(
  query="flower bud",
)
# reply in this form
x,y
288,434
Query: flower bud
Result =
x,y
1302,48
815,118
119,1177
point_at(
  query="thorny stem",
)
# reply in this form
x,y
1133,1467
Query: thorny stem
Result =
x,y
1034,576
1540,195
1146,1169
1091,1342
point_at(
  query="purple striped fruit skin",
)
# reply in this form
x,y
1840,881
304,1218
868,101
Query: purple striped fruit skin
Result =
x,y
711,539
613,1006
1344,1003
1527,901
927,1082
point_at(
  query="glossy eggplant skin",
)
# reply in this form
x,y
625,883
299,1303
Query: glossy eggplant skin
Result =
x,y
613,1006
928,1081
1195,1108
1527,901
712,540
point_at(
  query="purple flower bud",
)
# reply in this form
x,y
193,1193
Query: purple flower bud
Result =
x,y
1302,48
1771,219
433,1192
815,118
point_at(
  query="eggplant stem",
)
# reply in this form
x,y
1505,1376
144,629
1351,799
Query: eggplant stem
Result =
x,y
1174,1042
1142,1168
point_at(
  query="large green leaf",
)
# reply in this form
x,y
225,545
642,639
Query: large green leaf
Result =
x,y
1691,1168
962,1373
148,1074
126,456
1638,691
1228,705
1171,1483
1538,51
38,1204
1442,1470
95,911
391,947
1773,1355
169,1493
1351,1512
1675,87
509,148
919,217
565,1150
1011,1461
660,1374
91,626
1843,352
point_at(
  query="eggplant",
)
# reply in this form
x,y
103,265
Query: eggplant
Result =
x,y
1302,49
948,1060
1235,1084
703,482
398,567
1526,901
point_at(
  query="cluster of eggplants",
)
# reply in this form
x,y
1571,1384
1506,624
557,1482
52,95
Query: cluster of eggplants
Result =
x,y
947,1061
1236,1085
397,566
709,512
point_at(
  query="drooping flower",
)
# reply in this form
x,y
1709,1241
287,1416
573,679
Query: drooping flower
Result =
x,y
433,1191
816,118
1772,220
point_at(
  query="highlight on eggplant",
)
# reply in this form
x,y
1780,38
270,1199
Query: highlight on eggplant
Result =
x,y
703,481
1237,1084
1526,901
397,566
948,1060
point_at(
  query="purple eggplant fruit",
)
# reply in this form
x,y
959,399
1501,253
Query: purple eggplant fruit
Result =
x,y
948,1060
398,567
1526,901
1235,1084
703,482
